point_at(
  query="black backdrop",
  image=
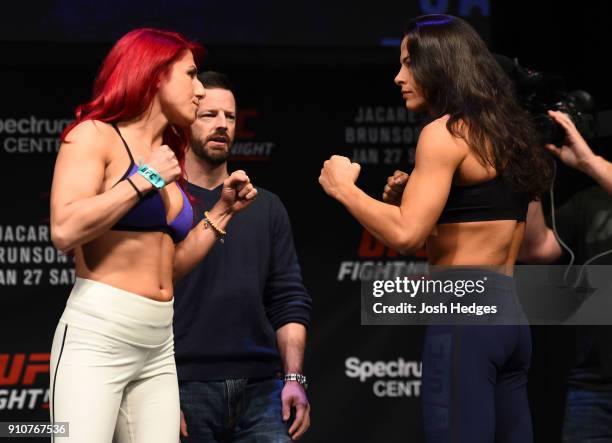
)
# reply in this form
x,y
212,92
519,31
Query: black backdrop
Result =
x,y
297,106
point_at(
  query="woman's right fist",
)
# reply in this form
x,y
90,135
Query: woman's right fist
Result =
x,y
394,189
164,161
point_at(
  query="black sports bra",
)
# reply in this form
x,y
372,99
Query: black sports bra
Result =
x,y
493,199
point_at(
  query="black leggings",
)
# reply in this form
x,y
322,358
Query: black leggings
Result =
x,y
475,384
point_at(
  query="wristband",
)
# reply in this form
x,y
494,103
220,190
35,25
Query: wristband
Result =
x,y
152,176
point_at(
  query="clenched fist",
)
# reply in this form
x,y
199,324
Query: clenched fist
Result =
x,y
238,192
337,174
164,161
394,189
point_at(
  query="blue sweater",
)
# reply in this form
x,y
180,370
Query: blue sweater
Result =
x,y
227,310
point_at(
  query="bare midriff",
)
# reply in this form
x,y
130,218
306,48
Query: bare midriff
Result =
x,y
138,262
493,244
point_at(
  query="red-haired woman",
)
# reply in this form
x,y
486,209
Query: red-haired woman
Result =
x,y
116,204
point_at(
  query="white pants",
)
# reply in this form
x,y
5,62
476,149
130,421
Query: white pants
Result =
x,y
112,368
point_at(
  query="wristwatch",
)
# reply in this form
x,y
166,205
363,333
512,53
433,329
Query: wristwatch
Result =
x,y
300,378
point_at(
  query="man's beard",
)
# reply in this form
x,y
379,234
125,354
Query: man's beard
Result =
x,y
214,157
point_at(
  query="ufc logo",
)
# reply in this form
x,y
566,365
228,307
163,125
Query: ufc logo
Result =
x,y
22,367
369,247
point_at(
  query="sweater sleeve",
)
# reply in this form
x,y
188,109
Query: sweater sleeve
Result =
x,y
285,297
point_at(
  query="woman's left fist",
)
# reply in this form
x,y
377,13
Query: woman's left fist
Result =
x,y
337,174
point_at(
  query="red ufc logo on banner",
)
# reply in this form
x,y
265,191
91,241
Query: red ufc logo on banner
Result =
x,y
369,247
22,368
243,129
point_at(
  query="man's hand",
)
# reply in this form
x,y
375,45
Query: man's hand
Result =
x,y
238,192
394,189
183,425
294,396
575,152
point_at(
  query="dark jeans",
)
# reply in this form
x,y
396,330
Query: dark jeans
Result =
x,y
240,411
588,417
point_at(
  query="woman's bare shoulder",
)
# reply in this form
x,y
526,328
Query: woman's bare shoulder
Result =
x,y
91,132
437,132
436,145
91,139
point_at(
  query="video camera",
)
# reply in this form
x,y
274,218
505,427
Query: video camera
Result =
x,y
539,92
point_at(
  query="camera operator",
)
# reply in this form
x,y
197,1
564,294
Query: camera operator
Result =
x,y
584,223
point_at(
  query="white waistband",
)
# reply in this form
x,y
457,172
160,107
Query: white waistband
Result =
x,y
118,313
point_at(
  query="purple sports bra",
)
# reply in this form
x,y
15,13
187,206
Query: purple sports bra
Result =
x,y
149,213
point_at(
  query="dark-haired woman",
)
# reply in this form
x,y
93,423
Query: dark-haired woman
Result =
x,y
117,206
477,165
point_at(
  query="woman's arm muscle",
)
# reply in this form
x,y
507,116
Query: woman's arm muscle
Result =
x,y
80,210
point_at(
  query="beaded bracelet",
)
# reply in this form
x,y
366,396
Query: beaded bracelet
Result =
x,y
208,222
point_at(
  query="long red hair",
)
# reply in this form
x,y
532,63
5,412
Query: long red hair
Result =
x,y
127,81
